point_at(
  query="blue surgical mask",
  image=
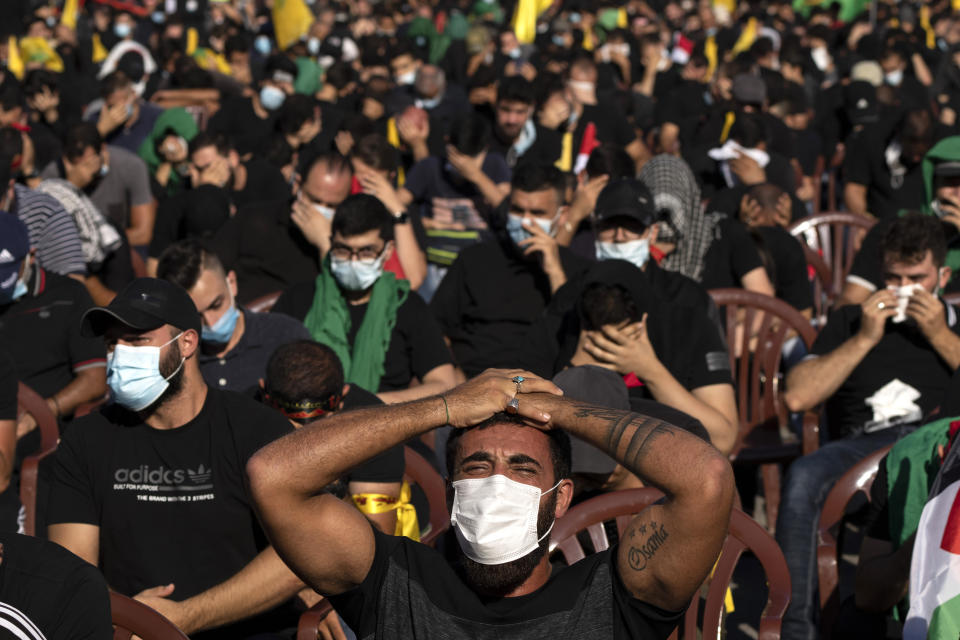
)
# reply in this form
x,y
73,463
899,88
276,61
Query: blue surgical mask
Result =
x,y
133,375
428,103
405,79
262,45
559,40
894,78
19,290
122,30
313,46
357,275
159,17
271,98
222,330
636,252
518,234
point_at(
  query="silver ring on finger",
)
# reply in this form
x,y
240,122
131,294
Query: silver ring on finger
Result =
x,y
881,305
513,406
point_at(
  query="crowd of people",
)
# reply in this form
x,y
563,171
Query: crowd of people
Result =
x,y
252,251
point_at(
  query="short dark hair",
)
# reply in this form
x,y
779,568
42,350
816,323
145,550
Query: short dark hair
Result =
x,y
294,113
374,151
748,130
303,371
359,214
532,176
114,81
279,62
611,159
340,74
560,454
11,142
38,80
206,139
11,95
909,238
470,134
516,89
236,43
603,304
79,138
183,262
335,161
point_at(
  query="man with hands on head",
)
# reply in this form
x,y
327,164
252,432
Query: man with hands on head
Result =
x,y
879,375
509,461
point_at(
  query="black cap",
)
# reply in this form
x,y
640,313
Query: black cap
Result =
x,y
749,89
627,197
145,304
860,98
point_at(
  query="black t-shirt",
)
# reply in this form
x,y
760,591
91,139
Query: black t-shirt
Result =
x,y
8,387
903,353
41,331
866,163
789,275
731,255
384,467
416,343
611,125
266,249
193,213
171,505
546,148
489,300
237,119
412,592
48,593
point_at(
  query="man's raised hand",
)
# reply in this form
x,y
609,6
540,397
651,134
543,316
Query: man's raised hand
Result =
x,y
492,391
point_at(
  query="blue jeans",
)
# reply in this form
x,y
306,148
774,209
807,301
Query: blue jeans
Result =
x,y
805,489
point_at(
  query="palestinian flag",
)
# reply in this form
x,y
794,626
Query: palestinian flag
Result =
x,y
935,567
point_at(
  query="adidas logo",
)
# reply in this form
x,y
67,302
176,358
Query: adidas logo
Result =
x,y
200,475
6,284
6,257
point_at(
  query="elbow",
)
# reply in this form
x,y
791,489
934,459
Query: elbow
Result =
x,y
724,438
260,478
796,402
715,484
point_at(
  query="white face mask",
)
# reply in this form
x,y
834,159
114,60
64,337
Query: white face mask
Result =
x,y
324,210
495,518
636,252
518,234
406,78
894,78
357,275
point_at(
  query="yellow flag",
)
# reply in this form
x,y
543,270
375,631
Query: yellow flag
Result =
x,y
525,16
14,61
747,36
34,50
565,161
193,39
728,121
69,16
393,137
291,21
100,52
710,52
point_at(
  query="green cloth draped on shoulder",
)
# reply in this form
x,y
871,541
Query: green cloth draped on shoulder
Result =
x,y
947,150
328,321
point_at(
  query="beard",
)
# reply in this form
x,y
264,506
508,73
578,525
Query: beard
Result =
x,y
171,368
497,580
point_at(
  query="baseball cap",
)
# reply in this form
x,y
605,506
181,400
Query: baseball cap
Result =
x,y
145,304
867,71
749,89
14,247
626,197
860,100
599,386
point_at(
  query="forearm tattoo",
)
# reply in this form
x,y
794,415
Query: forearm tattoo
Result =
x,y
637,430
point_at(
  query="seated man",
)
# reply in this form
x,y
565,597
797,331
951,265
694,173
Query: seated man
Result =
x,y
497,289
664,352
502,468
40,327
123,118
151,488
235,343
878,378
50,594
382,332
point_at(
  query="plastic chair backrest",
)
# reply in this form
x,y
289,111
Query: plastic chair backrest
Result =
x,y
833,235
420,472
131,617
29,401
824,295
744,534
264,303
952,298
756,371
858,479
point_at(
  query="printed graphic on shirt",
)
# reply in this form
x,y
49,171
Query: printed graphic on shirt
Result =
x,y
17,624
164,484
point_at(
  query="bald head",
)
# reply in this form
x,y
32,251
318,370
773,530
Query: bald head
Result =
x,y
328,180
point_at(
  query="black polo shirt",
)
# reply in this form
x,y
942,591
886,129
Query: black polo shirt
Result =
x,y
41,331
866,164
903,353
489,300
789,269
731,255
241,368
416,343
266,249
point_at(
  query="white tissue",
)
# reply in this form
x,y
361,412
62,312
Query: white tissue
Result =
x,y
894,403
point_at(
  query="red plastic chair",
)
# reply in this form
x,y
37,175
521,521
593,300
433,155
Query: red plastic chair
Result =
x,y
833,235
29,401
311,619
263,304
859,479
131,617
744,534
764,437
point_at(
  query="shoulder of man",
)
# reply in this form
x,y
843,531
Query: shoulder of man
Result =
x,y
245,413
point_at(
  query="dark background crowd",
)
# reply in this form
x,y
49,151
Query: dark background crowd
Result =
x,y
311,206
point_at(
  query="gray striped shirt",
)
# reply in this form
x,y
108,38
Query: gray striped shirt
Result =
x,y
53,232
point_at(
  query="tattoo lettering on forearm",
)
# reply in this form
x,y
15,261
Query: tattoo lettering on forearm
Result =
x,y
639,556
646,430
